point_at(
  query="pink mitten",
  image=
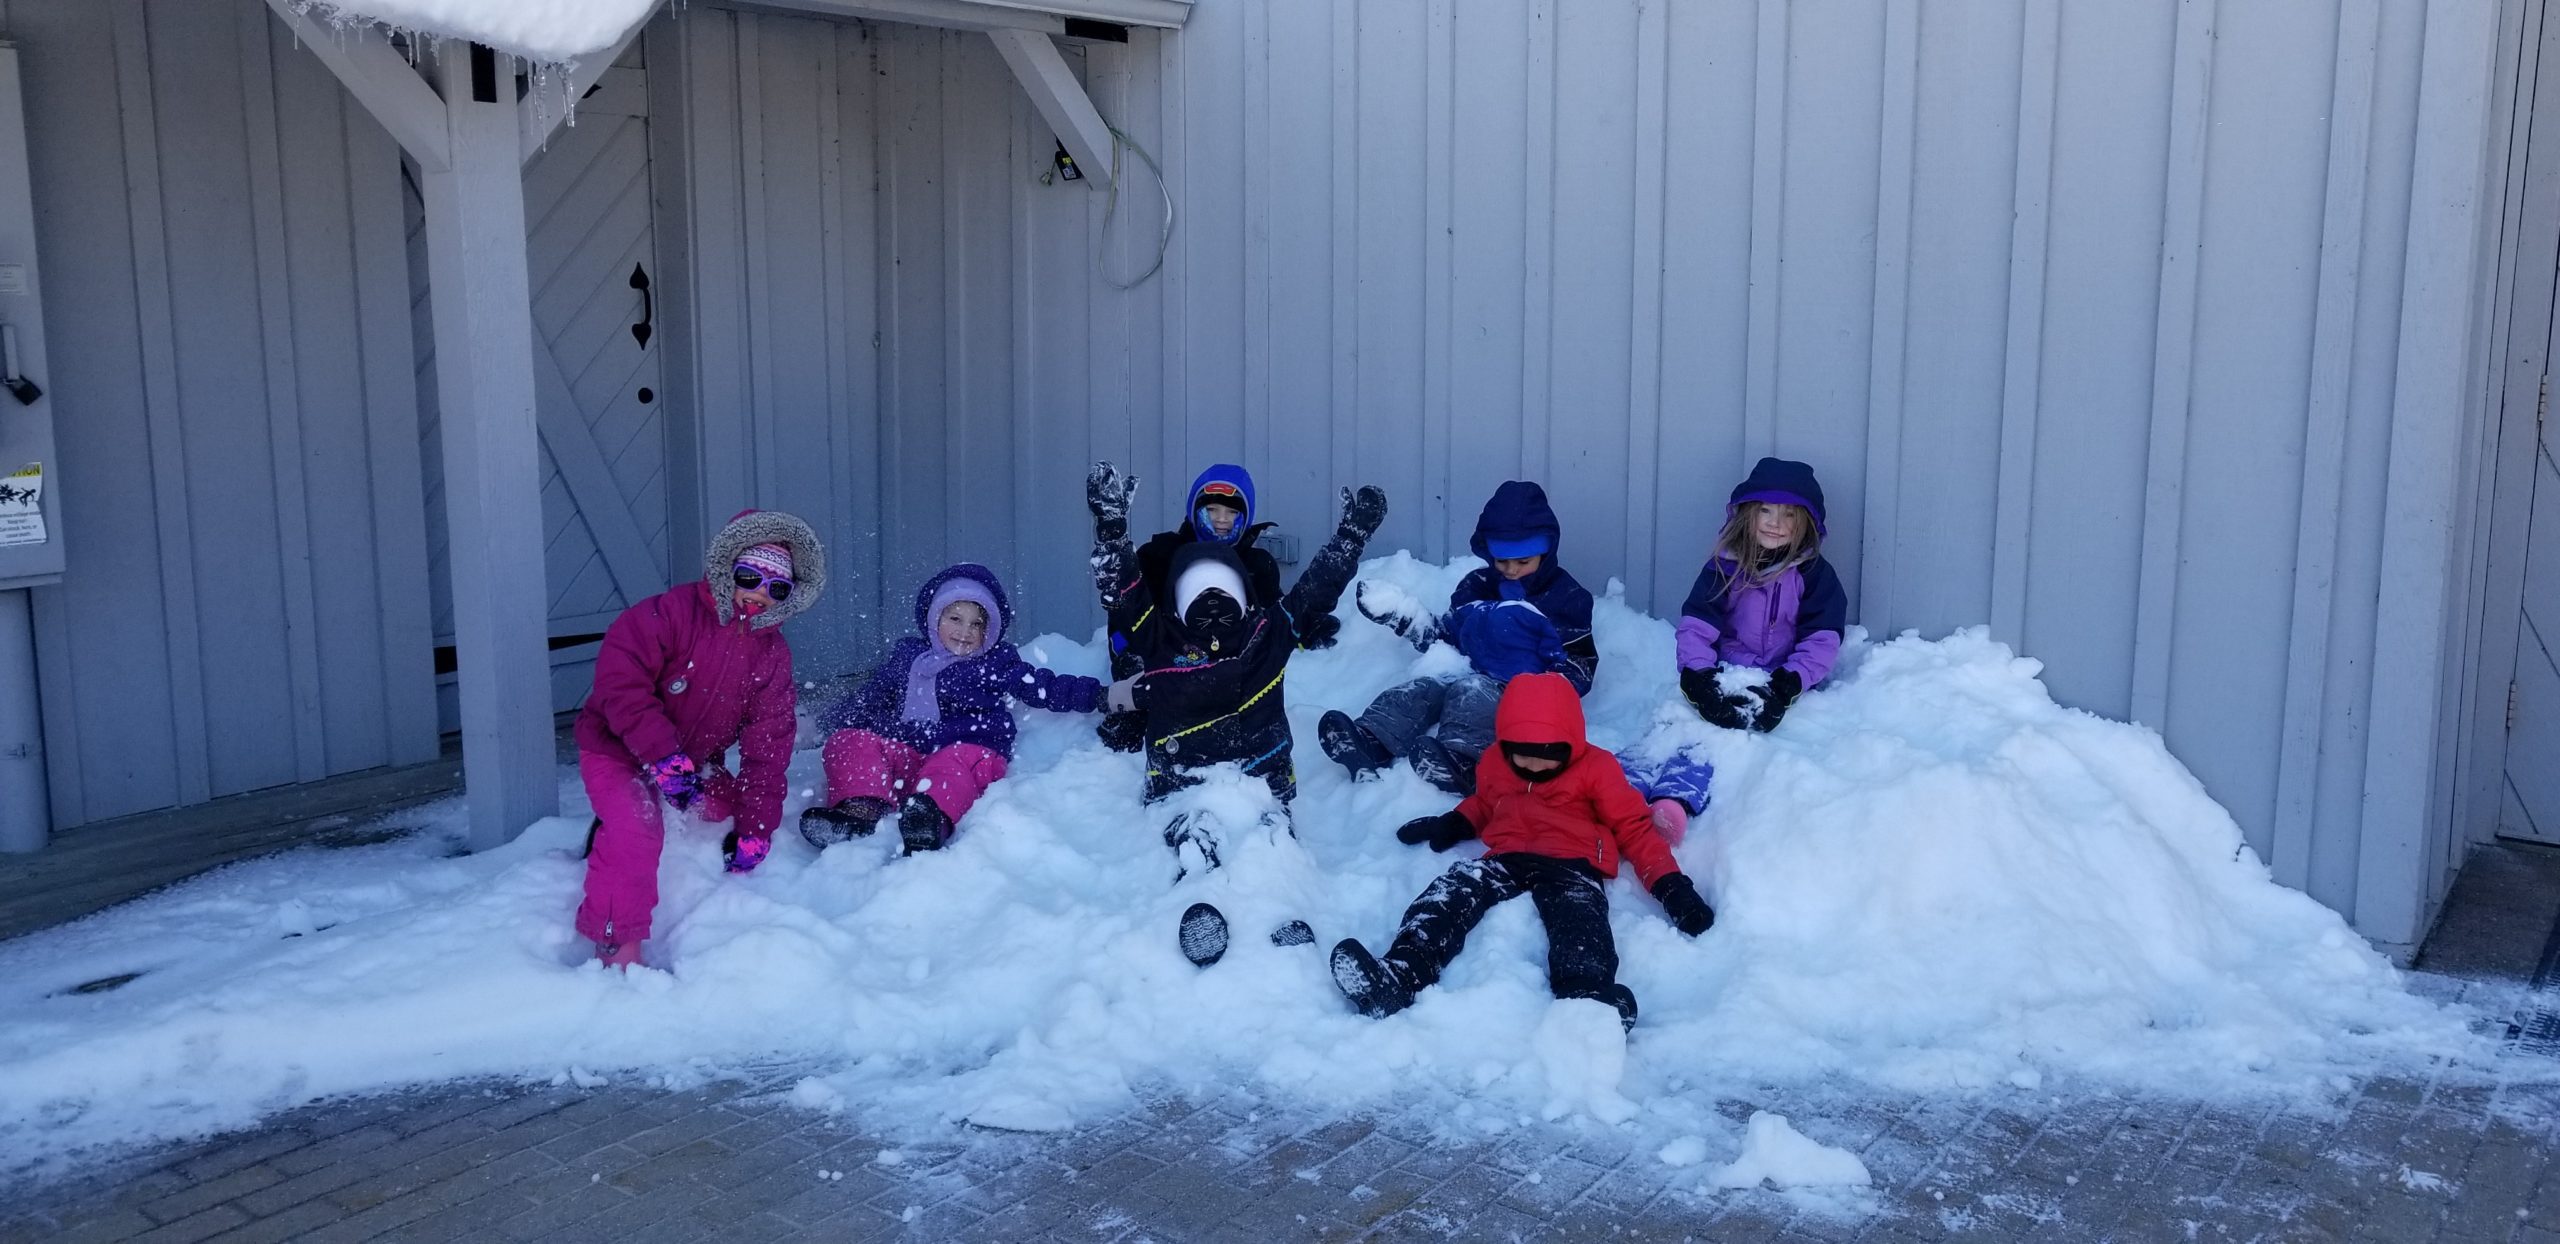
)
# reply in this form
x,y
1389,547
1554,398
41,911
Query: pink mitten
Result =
x,y
1671,820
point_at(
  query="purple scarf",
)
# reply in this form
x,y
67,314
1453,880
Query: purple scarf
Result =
x,y
923,703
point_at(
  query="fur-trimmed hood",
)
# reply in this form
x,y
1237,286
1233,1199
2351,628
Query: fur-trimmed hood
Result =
x,y
753,527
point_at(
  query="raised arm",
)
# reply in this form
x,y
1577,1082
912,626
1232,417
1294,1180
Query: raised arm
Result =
x,y
1319,587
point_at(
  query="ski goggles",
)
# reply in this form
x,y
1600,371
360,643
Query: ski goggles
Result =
x,y
748,579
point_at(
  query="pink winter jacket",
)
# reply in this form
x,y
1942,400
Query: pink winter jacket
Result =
x,y
671,678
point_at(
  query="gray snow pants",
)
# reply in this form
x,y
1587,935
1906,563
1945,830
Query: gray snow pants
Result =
x,y
1403,715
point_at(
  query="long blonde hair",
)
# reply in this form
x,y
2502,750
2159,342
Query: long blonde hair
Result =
x,y
1752,565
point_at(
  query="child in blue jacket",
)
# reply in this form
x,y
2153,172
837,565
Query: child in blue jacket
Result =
x,y
1523,613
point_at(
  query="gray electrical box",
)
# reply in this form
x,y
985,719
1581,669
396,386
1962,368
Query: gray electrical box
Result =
x,y
30,477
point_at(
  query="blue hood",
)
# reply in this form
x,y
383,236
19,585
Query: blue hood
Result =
x,y
978,574
1785,482
1518,511
1218,472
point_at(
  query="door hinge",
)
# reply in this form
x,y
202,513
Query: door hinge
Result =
x,y
2542,403
2511,707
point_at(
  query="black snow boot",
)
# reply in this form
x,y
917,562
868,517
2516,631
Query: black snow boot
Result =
x,y
1203,934
1621,997
1294,933
921,824
847,819
1433,763
1351,744
1123,732
1374,988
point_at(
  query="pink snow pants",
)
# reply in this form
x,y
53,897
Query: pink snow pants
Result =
x,y
622,867
862,764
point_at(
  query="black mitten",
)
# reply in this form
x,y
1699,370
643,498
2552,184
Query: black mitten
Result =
x,y
1362,511
1107,493
1679,897
1320,631
1711,702
1784,686
1443,831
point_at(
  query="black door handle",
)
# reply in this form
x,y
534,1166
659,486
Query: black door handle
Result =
x,y
648,306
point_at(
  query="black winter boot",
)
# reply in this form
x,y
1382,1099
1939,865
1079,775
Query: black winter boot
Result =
x,y
846,819
1374,988
1203,934
1351,744
921,824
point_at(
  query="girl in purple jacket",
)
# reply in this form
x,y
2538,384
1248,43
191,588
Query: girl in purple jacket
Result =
x,y
932,728
682,677
1766,600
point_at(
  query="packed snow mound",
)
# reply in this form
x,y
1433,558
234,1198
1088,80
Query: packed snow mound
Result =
x,y
1931,878
549,31
1774,1152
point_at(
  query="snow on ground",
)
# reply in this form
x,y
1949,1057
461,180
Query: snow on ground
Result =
x,y
1931,879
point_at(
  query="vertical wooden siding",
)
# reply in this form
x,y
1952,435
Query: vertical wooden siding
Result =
x,y
2089,316
245,604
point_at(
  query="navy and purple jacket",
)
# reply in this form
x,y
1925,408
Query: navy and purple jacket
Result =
x,y
927,698
1486,618
1792,621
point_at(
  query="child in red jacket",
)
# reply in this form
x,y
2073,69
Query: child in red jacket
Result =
x,y
1555,813
684,676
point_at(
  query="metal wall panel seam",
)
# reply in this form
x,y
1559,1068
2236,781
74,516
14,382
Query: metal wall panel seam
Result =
x,y
1029,465
2173,361
1538,244
1436,513
719,266
2428,404
1768,228
1343,427
274,295
951,86
1172,284
378,257
667,53
2324,460
859,448
756,272
2040,53
1886,396
157,329
1644,349
1258,417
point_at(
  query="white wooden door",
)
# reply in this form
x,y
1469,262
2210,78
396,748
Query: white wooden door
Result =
x,y
591,243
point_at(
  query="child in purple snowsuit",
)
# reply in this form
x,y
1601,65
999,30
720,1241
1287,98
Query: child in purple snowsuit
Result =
x,y
935,720
1765,600
682,677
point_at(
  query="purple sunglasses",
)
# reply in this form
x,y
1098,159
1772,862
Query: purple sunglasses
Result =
x,y
748,579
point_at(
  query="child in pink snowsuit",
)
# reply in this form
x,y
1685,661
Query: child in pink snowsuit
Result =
x,y
932,727
682,677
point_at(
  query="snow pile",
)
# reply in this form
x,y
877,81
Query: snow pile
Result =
x,y
1776,1153
1931,878
550,31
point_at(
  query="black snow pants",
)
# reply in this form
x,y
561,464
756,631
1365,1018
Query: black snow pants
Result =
x,y
1582,958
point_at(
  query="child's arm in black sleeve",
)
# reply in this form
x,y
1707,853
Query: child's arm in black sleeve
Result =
x,y
1319,587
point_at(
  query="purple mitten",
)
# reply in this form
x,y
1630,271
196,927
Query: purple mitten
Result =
x,y
744,851
676,780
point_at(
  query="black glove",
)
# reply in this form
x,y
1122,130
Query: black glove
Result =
x,y
1711,702
1443,831
1320,631
1784,686
1107,493
1679,896
1362,511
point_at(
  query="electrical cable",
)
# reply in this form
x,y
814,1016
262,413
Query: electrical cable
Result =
x,y
1111,209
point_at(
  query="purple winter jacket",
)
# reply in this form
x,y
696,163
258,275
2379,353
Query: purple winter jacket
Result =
x,y
971,696
1792,621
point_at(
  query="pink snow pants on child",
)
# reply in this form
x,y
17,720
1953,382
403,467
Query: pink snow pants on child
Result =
x,y
622,866
861,764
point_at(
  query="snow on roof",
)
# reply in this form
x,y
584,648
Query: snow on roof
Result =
x,y
540,30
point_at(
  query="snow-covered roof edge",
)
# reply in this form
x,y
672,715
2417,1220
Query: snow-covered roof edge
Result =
x,y
547,31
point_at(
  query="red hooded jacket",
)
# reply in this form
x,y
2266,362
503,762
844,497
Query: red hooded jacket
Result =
x,y
1587,812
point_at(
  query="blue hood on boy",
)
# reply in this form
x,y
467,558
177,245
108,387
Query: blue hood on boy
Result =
x,y
1518,510
1785,482
1231,475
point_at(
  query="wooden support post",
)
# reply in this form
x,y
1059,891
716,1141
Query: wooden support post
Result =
x,y
482,301
1034,59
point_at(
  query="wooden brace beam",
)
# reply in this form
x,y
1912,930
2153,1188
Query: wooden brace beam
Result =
x,y
539,118
382,80
1061,100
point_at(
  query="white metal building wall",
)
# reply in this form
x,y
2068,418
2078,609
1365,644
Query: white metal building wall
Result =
x,y
2102,324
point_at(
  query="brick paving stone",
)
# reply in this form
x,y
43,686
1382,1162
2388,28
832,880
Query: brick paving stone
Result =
x,y
202,1224
197,1197
292,1224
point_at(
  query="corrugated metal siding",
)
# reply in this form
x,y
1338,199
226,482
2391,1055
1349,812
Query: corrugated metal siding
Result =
x,y
245,602
2089,315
